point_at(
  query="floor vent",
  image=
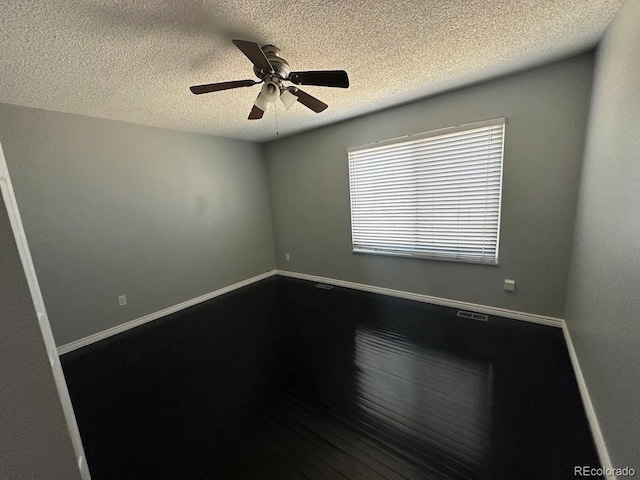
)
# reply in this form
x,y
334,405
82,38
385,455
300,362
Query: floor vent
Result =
x,y
324,286
473,316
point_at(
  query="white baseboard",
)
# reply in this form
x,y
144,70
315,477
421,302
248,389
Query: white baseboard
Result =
x,y
69,347
601,447
445,302
528,317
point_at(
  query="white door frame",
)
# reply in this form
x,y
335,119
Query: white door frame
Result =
x,y
43,320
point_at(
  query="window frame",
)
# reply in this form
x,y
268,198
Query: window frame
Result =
x,y
420,136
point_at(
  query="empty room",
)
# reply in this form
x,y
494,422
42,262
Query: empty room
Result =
x,y
320,239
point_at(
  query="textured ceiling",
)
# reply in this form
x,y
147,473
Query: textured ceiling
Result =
x,y
134,60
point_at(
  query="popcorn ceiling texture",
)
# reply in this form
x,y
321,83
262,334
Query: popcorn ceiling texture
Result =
x,y
133,60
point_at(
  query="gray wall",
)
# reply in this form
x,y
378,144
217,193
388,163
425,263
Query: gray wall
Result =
x,y
112,208
34,440
603,298
546,110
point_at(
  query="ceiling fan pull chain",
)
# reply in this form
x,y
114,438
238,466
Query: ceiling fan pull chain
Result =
x,y
275,110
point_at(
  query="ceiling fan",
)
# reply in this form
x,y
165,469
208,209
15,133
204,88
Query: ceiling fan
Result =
x,y
273,70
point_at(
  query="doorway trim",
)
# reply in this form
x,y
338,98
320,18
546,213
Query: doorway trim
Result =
x,y
41,314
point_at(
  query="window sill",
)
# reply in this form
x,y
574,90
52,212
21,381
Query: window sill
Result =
x,y
440,258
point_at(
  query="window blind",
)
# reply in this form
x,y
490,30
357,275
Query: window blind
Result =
x,y
434,195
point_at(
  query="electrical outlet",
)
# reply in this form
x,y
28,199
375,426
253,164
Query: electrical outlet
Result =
x,y
122,300
510,285
287,257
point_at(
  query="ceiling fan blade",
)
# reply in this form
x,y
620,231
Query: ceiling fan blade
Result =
x,y
216,87
308,101
255,54
321,78
255,113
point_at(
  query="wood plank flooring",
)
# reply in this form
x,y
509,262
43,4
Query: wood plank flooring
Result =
x,y
282,380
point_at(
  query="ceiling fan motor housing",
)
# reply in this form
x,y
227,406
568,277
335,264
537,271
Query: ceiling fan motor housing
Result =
x,y
280,66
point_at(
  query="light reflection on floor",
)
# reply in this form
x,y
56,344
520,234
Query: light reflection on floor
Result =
x,y
431,396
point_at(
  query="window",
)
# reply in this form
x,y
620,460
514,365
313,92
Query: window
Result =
x,y
433,195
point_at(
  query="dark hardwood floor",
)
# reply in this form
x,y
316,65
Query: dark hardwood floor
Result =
x,y
282,380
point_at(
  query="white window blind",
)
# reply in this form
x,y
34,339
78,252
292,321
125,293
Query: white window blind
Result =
x,y
433,195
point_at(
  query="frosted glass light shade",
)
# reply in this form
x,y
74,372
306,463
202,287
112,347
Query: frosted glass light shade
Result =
x,y
262,103
288,99
270,92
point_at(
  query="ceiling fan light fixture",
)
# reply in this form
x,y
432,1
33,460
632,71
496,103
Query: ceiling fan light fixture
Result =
x,y
272,70
261,102
288,99
270,92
